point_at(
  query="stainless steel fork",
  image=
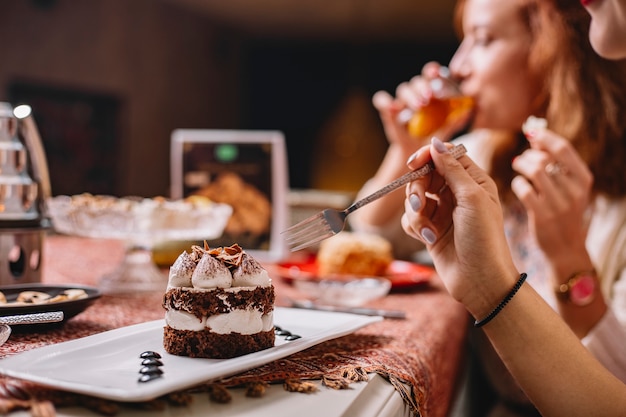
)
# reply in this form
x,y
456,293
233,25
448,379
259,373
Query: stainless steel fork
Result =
x,y
329,222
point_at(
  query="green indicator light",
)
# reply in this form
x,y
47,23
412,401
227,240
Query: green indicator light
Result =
x,y
226,152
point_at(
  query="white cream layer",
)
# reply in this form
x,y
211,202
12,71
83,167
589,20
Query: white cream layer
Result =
x,y
248,321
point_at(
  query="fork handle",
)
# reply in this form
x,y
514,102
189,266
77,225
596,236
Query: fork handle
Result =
x,y
456,151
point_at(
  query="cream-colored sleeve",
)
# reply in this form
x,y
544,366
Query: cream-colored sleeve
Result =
x,y
606,342
606,243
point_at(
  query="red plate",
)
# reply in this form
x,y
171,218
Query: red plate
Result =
x,y
402,274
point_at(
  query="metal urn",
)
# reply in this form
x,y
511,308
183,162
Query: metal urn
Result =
x,y
24,188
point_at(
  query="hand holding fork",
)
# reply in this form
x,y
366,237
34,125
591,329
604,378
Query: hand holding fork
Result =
x,y
329,222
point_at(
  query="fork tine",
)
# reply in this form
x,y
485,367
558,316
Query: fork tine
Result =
x,y
315,218
313,241
308,232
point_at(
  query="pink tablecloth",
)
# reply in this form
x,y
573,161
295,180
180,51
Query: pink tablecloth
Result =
x,y
421,355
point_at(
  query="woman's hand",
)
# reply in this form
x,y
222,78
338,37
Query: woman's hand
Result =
x,y
554,186
381,213
456,212
410,96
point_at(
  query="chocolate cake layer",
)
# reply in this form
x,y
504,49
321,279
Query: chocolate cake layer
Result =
x,y
206,344
206,303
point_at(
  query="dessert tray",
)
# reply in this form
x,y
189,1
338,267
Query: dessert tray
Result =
x,y
70,307
141,223
143,219
107,365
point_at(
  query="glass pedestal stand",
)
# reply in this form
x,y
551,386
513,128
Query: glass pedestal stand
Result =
x,y
136,273
142,224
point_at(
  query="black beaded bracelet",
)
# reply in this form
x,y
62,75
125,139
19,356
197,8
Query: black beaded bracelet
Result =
x,y
518,285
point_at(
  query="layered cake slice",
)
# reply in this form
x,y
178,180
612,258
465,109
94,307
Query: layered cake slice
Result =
x,y
219,304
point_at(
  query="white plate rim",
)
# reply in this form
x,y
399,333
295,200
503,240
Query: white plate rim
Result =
x,y
182,373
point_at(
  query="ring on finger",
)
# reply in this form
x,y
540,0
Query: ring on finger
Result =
x,y
554,168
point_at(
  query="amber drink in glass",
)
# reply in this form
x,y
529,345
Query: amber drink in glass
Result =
x,y
446,106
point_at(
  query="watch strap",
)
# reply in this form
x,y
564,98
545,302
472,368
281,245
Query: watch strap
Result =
x,y
573,283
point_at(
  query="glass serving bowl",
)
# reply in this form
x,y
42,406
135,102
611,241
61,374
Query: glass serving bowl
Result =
x,y
350,292
141,223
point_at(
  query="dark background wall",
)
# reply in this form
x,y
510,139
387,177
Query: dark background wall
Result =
x,y
110,79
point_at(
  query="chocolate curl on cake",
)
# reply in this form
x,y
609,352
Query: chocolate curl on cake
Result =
x,y
197,252
230,255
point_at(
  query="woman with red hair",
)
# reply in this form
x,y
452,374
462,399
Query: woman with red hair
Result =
x,y
562,188
463,230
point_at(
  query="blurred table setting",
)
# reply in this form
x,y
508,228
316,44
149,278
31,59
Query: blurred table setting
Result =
x,y
395,348
411,365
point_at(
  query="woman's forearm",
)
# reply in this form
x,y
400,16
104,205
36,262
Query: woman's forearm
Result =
x,y
549,362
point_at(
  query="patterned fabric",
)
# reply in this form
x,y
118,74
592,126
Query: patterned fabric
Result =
x,y
424,352
421,356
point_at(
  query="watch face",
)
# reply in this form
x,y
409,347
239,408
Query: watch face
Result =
x,y
582,290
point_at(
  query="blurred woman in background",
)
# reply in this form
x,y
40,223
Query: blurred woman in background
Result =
x,y
561,188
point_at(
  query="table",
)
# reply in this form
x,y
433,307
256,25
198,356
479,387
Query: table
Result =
x,y
413,365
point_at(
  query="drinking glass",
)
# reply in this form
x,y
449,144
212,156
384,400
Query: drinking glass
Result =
x,y
447,106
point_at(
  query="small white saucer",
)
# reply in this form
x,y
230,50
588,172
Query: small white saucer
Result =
x,y
349,292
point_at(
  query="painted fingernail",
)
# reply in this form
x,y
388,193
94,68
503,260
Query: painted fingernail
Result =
x,y
411,158
428,235
439,145
415,202
405,115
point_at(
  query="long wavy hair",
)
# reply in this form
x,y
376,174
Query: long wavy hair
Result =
x,y
583,95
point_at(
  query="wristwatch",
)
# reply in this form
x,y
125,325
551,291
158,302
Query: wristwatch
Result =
x,y
580,288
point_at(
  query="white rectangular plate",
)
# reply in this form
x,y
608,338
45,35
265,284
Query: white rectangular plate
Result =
x,y
107,364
